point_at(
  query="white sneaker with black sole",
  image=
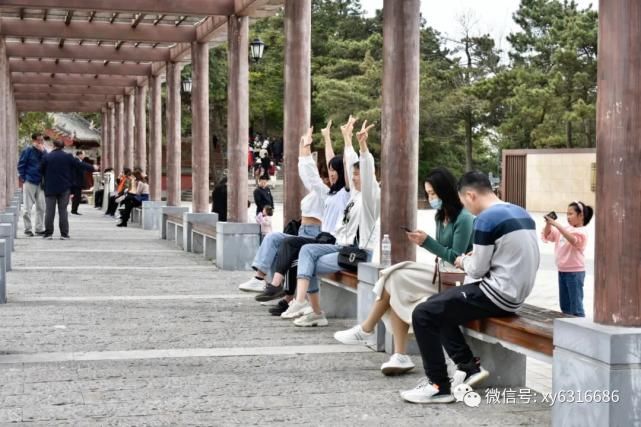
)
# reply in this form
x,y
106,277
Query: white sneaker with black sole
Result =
x,y
354,336
470,378
253,285
398,364
311,320
426,392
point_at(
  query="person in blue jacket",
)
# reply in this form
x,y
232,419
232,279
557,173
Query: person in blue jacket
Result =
x,y
33,194
59,170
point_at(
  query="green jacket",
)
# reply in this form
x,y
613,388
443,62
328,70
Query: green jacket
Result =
x,y
453,239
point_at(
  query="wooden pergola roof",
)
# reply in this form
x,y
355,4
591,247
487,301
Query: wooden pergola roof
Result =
x,y
85,53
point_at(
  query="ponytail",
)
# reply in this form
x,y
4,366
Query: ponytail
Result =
x,y
586,210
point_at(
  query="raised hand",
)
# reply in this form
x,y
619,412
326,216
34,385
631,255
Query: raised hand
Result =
x,y
363,135
326,131
308,137
348,128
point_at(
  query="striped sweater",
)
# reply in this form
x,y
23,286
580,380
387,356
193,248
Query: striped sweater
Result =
x,y
506,255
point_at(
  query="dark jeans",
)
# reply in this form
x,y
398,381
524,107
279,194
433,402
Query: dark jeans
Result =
x,y
76,192
112,205
571,293
130,202
436,324
62,200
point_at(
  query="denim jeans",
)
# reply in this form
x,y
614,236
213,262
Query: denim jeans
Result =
x,y
571,293
317,259
266,255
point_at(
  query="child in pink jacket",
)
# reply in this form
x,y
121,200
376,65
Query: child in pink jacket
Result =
x,y
570,243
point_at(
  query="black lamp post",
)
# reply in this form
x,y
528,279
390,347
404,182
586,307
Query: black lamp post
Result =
x,y
186,85
256,49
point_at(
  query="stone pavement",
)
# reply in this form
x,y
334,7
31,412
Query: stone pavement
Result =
x,y
116,327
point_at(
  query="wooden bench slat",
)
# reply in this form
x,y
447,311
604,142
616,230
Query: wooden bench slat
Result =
x,y
175,219
347,278
208,230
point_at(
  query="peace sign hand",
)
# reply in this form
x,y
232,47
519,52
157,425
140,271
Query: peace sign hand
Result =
x,y
326,131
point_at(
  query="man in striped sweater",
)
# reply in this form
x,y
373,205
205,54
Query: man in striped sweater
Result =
x,y
502,265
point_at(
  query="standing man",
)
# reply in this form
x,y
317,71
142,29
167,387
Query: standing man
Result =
x,y
77,185
503,265
262,194
59,169
33,194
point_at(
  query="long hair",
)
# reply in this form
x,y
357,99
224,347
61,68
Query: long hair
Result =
x,y
444,185
336,163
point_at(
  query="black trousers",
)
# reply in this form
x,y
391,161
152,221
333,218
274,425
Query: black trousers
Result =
x,y
437,323
112,205
61,201
288,252
98,198
129,203
76,192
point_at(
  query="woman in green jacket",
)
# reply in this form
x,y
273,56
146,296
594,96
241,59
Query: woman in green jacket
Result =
x,y
403,286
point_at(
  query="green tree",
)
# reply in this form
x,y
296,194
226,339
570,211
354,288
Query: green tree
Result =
x,y
30,123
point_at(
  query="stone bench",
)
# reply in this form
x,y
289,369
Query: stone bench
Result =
x,y
340,294
174,228
203,240
136,217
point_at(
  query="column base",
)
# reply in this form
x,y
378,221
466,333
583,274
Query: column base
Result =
x,y
599,359
10,219
236,245
6,234
189,219
13,209
151,214
3,272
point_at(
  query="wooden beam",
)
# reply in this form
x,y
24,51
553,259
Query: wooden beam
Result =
x,y
171,7
59,106
73,79
35,66
77,97
78,89
14,27
35,50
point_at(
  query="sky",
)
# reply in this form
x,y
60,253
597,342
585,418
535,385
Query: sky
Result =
x,y
491,16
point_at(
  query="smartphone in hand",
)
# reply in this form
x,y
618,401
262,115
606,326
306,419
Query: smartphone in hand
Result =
x,y
552,215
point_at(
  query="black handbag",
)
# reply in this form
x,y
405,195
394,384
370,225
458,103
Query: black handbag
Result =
x,y
325,238
350,256
292,227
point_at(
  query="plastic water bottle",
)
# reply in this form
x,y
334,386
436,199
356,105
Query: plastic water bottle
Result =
x,y
386,251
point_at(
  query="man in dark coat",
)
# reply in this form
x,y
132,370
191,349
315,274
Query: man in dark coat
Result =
x,y
262,194
59,170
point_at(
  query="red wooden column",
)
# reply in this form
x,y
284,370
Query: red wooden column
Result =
x,y
103,139
13,144
399,127
120,135
129,131
617,287
200,127
111,113
173,134
237,117
155,140
4,144
298,27
141,127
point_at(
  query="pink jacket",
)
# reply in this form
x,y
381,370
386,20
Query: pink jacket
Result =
x,y
569,258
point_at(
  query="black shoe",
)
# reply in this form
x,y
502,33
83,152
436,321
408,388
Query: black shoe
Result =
x,y
47,236
280,308
40,233
75,213
28,233
65,237
270,293
122,224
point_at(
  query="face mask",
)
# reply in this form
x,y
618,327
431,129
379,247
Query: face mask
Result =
x,y
436,203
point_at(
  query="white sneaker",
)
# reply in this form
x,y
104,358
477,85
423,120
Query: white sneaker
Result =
x,y
353,336
462,377
253,285
311,319
397,364
426,392
296,309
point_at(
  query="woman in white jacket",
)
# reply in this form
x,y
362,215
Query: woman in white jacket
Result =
x,y
358,226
